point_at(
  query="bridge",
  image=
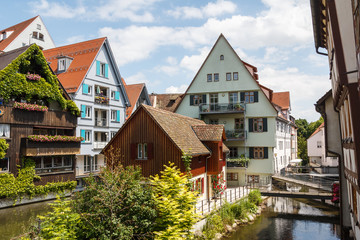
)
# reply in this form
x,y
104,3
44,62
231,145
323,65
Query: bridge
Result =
x,y
314,181
308,195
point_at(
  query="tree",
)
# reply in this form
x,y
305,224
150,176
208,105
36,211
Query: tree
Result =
x,y
116,205
174,204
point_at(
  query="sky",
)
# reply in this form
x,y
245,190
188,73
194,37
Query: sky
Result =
x,y
163,43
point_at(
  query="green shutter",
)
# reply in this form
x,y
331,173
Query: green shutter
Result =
x,y
265,125
82,134
251,152
83,111
85,89
118,115
191,100
242,96
98,68
106,70
251,125
117,95
256,96
204,99
266,152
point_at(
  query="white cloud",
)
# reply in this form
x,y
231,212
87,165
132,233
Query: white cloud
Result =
x,y
212,9
317,60
75,39
56,9
137,78
193,63
173,89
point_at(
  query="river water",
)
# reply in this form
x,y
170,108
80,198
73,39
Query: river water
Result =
x,y
16,221
292,219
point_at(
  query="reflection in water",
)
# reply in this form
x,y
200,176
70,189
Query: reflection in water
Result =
x,y
15,221
292,219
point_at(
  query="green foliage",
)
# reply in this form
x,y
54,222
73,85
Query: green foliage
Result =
x,y
174,204
72,108
115,205
226,214
213,225
255,197
60,223
23,184
3,148
187,158
13,82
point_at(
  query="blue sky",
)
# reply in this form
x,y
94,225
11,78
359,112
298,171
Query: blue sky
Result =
x,y
163,43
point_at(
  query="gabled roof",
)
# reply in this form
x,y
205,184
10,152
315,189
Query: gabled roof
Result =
x,y
317,130
133,91
17,29
209,132
167,102
83,55
7,57
281,99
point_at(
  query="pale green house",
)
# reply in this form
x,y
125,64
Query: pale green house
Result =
x,y
225,91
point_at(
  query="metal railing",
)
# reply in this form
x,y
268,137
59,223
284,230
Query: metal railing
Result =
x,y
236,134
101,122
222,108
230,163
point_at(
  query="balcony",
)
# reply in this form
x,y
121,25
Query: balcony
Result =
x,y
101,122
222,108
99,99
236,163
99,145
32,148
235,135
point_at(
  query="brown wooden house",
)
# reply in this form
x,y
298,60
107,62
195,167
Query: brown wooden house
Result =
x,y
151,138
32,112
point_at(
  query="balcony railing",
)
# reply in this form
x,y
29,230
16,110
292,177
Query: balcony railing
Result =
x,y
222,108
99,145
236,134
233,162
101,100
101,122
31,148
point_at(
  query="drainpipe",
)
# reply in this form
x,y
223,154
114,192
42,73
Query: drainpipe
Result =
x,y
207,182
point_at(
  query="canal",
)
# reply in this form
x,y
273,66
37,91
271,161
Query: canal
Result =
x,y
16,221
292,219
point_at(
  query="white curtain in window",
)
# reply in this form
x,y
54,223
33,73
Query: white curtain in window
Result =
x,y
5,130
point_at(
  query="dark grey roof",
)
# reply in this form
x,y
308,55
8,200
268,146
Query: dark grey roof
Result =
x,y
7,57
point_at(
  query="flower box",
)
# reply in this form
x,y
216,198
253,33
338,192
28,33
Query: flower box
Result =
x,y
56,138
33,76
30,107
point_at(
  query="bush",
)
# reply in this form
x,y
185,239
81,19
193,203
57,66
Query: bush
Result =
x,y
226,214
238,209
255,197
213,225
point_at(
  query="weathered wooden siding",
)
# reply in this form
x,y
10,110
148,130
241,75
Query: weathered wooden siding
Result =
x,y
213,162
142,129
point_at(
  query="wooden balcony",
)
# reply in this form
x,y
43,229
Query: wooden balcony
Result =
x,y
236,135
222,108
33,148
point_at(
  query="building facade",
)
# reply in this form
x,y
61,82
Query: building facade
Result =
x,y
89,73
26,33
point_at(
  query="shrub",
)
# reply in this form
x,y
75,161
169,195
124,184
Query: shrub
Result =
x,y
255,197
226,214
213,225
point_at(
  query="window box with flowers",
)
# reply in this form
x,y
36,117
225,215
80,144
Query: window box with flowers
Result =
x,y
30,107
56,138
101,100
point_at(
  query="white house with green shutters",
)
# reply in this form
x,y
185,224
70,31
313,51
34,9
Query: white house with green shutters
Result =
x,y
226,91
89,73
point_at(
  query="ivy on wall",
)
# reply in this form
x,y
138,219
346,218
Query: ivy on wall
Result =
x,y
3,148
14,83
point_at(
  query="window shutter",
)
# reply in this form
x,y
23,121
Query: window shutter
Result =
x,y
98,68
150,149
265,125
202,185
204,98
191,100
118,115
117,95
266,152
133,151
251,125
256,96
106,69
85,88
82,134
83,111
242,96
251,152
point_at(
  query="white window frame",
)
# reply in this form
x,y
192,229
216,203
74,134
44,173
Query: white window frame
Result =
x,y
88,111
113,115
61,64
142,151
112,95
87,138
102,69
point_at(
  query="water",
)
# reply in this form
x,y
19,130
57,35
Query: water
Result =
x,y
16,221
292,219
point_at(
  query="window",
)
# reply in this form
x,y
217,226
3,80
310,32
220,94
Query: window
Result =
x,y
216,77
142,151
249,97
281,145
278,126
87,163
102,69
34,34
232,176
258,152
233,97
38,26
4,164
318,144
61,64
41,36
112,134
53,163
88,112
253,178
214,121
209,77
221,57
258,125
87,137
233,152
239,123
4,130
214,99
94,163
197,100
235,76
228,76
113,115
113,95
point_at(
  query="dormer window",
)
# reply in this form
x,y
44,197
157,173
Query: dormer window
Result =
x,y
3,35
63,63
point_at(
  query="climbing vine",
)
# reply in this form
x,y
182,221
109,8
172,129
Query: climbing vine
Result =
x,y
15,84
3,148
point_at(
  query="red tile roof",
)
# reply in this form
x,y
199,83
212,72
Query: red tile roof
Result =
x,y
317,130
18,28
209,132
167,102
133,91
83,55
282,99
